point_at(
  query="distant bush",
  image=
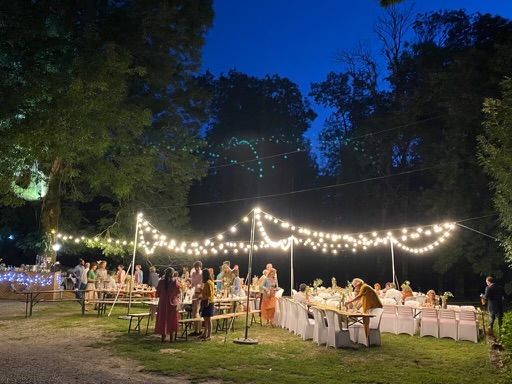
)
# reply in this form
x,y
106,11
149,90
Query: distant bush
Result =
x,y
506,331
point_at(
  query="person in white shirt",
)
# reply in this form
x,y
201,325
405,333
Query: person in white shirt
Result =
x,y
302,296
393,293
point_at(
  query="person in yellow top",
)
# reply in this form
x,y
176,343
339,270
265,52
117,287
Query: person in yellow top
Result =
x,y
366,295
207,307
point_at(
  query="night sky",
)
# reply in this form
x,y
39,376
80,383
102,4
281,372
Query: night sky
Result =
x,y
300,39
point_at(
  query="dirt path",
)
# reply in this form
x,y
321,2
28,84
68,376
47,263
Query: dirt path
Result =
x,y
33,353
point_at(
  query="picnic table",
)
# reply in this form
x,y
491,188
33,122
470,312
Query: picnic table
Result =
x,y
34,297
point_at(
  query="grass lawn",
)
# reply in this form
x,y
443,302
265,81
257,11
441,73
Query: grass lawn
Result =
x,y
281,357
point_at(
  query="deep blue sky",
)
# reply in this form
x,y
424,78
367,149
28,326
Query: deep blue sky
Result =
x,y
299,39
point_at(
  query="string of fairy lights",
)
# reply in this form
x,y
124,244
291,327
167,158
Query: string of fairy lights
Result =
x,y
150,238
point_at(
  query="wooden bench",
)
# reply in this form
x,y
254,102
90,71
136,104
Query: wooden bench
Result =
x,y
139,317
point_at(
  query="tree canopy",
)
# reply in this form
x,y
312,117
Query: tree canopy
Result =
x,y
101,97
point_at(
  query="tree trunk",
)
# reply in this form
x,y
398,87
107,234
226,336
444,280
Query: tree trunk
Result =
x,y
50,210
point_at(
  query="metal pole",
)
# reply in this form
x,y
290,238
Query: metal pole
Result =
x,y
133,263
395,280
246,340
292,275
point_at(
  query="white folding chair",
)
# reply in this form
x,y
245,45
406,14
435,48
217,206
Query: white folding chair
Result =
x,y
467,328
389,319
294,324
374,329
289,314
306,325
447,324
320,330
455,308
388,301
468,308
283,313
429,322
406,323
336,337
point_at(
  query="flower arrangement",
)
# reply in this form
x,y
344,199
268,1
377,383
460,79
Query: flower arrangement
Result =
x,y
444,298
317,282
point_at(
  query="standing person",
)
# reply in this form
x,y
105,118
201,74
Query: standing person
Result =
x,y
196,283
268,302
90,293
83,278
366,295
120,275
237,283
168,293
139,275
102,277
494,297
78,272
207,306
153,277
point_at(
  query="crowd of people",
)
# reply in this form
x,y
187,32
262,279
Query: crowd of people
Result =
x,y
199,287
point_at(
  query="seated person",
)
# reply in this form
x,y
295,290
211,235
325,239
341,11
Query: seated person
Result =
x,y
406,291
393,293
430,299
377,289
302,295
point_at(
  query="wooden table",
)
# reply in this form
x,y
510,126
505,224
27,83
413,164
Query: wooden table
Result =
x,y
33,297
349,317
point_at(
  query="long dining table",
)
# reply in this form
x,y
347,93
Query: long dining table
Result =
x,y
349,317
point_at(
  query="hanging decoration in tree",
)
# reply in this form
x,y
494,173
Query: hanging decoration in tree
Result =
x,y
30,183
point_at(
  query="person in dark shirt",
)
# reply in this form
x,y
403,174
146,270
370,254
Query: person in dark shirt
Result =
x,y
494,297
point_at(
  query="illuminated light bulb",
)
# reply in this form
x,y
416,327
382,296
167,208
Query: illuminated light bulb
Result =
x,y
324,250
235,250
301,230
148,229
354,250
220,236
389,234
374,234
95,239
314,247
59,235
447,234
404,238
335,252
56,247
346,245
315,234
276,221
205,252
225,251
233,229
360,236
145,223
189,251
428,232
364,246
404,230
154,231
257,210
256,248
118,242
245,219
293,228
77,240
285,224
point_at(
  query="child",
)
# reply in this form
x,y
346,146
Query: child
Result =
x,y
208,295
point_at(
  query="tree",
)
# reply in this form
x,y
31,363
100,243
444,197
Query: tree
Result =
x,y
495,154
252,118
101,97
426,120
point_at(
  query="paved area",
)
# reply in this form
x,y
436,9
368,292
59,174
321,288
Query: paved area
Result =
x,y
33,352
